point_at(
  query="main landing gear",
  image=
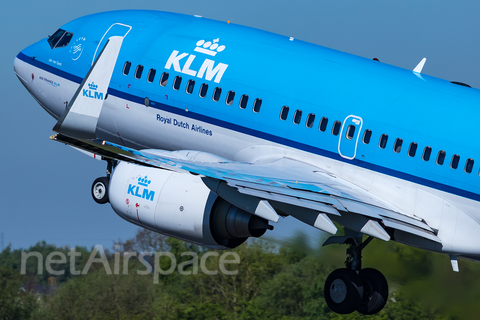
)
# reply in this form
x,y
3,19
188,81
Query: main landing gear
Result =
x,y
352,288
100,185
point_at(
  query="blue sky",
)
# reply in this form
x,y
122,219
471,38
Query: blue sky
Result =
x,y
45,188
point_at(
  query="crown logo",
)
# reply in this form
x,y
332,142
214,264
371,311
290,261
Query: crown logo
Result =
x,y
93,86
144,181
209,47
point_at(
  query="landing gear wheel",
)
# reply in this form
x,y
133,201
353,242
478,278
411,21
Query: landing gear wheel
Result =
x,y
100,190
343,291
375,293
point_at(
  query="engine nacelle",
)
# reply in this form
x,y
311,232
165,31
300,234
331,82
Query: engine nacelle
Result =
x,y
181,206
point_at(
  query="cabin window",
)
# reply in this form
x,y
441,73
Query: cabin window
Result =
x,y
336,128
383,141
284,113
216,94
412,150
176,82
469,166
323,124
397,146
310,120
441,157
243,101
455,161
426,153
126,67
138,72
203,90
230,97
297,116
190,86
256,105
366,136
151,75
164,79
350,132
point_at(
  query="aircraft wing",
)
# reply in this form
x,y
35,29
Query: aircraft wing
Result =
x,y
308,193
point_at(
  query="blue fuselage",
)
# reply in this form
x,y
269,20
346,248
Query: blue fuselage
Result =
x,y
259,73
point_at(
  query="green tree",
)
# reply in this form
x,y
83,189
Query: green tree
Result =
x,y
15,302
98,295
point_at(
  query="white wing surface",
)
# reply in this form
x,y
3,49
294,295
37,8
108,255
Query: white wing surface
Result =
x,y
306,192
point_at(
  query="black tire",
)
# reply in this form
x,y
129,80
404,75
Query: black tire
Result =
x,y
100,190
343,291
375,294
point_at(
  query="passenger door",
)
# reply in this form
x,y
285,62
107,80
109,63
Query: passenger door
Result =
x,y
347,144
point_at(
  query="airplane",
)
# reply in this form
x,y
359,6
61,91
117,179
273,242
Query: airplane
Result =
x,y
211,131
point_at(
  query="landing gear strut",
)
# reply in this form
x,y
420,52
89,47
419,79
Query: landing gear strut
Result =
x,y
100,185
353,288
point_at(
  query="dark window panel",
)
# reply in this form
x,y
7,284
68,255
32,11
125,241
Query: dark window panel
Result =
x,y
53,40
310,120
243,101
336,128
455,161
412,150
297,116
164,79
397,146
367,135
230,97
126,67
177,82
190,86
441,157
426,153
469,166
323,124
284,113
65,40
350,132
151,75
383,141
203,90
217,92
138,71
256,105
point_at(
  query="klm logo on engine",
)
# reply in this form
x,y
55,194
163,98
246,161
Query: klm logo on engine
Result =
x,y
92,92
208,69
141,190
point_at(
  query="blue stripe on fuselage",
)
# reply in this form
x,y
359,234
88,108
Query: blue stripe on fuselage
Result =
x,y
260,134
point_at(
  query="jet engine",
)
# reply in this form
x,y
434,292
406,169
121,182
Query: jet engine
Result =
x,y
181,206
